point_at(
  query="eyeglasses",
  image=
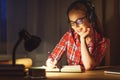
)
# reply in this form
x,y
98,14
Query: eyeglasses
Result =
x,y
77,22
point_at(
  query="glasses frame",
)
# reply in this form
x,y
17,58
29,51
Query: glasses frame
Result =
x,y
79,21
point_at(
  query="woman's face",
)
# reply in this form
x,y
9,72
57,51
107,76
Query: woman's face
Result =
x,y
78,21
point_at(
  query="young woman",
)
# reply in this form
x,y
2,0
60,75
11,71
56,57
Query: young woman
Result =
x,y
84,42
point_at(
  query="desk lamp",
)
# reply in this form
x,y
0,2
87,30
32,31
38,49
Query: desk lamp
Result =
x,y
30,43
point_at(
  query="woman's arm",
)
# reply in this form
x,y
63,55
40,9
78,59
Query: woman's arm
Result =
x,y
87,59
57,52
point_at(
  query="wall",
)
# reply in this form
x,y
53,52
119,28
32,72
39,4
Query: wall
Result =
x,y
112,19
3,27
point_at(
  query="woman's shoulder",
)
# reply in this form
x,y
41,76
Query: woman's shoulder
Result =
x,y
69,32
100,38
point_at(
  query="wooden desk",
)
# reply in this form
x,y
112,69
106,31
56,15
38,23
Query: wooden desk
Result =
x,y
97,74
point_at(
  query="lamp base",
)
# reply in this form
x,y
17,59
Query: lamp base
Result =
x,y
10,70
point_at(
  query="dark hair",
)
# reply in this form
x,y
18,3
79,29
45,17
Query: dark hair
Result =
x,y
89,9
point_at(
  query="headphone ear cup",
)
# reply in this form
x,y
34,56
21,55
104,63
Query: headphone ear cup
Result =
x,y
89,16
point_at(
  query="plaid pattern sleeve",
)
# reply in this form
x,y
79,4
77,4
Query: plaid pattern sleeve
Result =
x,y
59,48
70,43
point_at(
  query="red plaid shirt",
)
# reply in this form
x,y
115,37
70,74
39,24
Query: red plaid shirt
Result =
x,y
70,43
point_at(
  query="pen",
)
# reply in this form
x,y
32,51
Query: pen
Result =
x,y
59,65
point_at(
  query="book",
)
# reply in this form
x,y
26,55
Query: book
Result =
x,y
10,70
65,68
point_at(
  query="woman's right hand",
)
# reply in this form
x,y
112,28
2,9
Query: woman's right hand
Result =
x,y
50,63
83,34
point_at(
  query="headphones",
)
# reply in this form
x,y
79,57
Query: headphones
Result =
x,y
90,14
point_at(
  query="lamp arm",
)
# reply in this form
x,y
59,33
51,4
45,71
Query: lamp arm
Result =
x,y
14,50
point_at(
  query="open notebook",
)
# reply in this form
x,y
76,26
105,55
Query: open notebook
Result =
x,y
114,70
66,68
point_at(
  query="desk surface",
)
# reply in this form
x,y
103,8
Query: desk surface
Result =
x,y
97,74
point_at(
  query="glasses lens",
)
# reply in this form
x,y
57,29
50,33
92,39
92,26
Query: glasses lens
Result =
x,y
73,23
79,21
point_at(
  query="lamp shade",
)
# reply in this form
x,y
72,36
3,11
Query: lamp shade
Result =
x,y
30,42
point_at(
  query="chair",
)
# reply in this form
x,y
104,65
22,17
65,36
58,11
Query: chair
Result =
x,y
107,55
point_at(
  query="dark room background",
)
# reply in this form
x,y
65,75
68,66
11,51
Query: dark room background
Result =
x,y
47,19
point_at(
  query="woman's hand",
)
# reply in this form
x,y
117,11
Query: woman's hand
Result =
x,y
50,63
84,33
